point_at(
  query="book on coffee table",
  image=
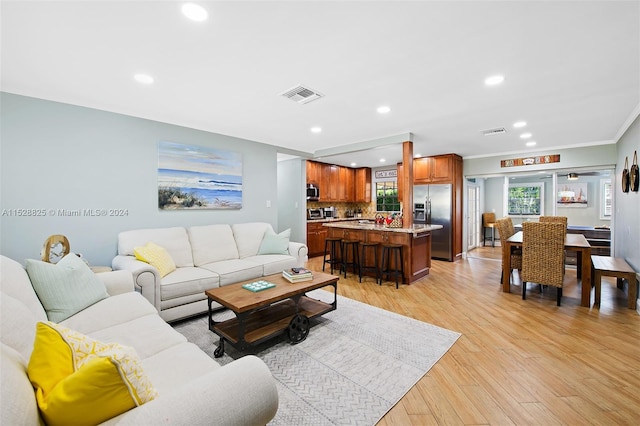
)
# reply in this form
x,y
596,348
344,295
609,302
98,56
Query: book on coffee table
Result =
x,y
296,275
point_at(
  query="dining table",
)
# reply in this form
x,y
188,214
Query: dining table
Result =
x,y
572,242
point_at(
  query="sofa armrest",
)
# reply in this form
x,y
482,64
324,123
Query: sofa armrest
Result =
x,y
146,278
117,282
242,392
300,251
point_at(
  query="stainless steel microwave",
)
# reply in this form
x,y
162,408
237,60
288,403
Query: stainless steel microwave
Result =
x,y
313,192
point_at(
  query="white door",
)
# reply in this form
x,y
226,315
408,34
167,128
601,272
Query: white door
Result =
x,y
473,217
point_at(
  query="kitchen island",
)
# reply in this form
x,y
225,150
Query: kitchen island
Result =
x,y
415,241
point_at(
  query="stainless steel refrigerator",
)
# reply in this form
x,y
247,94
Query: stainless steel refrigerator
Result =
x,y
437,199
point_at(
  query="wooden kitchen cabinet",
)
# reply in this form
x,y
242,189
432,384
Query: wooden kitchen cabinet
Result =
x,y
339,184
314,171
362,185
437,169
316,236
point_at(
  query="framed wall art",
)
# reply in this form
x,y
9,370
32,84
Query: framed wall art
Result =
x,y
195,177
572,195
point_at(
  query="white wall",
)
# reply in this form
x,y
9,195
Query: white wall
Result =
x,y
292,198
58,156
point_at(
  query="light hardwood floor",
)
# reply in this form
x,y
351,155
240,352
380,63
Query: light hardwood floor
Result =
x,y
517,361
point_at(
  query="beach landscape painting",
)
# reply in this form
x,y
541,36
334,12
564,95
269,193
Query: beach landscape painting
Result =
x,y
195,177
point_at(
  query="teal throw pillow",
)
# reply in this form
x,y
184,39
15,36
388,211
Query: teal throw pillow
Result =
x,y
273,243
66,287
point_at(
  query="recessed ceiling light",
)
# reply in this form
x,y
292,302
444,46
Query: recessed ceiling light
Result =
x,y
382,160
194,12
383,109
525,135
353,164
493,80
143,78
531,143
316,129
519,124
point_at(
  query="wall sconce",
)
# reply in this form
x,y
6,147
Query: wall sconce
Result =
x,y
572,176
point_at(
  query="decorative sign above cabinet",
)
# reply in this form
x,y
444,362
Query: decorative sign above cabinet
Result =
x,y
528,161
386,173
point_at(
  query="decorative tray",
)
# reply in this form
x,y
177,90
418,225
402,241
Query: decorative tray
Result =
x,y
258,286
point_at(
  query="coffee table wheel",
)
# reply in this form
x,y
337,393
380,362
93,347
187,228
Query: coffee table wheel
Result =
x,y
298,328
219,350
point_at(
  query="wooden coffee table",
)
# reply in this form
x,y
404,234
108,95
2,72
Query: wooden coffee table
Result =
x,y
262,315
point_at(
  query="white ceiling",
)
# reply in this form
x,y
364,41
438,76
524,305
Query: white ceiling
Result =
x,y
572,69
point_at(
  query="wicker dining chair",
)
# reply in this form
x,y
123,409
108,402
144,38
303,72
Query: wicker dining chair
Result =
x,y
554,219
543,255
505,230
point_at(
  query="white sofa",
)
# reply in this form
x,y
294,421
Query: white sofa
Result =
x,y
206,257
192,388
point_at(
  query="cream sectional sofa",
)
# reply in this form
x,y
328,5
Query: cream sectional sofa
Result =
x,y
206,257
192,388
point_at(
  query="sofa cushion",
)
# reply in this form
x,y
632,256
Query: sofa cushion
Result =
x,y
235,270
174,240
65,288
273,263
273,243
157,257
109,312
82,380
185,281
249,236
212,243
18,402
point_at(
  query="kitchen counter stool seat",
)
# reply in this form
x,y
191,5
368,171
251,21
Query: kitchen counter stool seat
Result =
x,y
350,257
333,248
363,260
389,250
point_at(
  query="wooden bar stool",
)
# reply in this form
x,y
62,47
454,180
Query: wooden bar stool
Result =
x,y
350,246
398,263
332,247
363,260
489,221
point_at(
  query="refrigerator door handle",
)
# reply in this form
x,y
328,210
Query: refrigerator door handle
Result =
x,y
428,210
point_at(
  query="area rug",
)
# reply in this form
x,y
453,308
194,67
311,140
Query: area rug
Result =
x,y
356,364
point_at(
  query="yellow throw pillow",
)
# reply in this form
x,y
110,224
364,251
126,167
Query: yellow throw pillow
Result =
x,y
79,380
155,256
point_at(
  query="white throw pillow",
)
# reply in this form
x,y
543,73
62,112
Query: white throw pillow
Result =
x,y
273,243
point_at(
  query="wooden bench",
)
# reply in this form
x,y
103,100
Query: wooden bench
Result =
x,y
614,267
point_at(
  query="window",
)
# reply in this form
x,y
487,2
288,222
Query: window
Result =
x,y
526,199
387,196
606,199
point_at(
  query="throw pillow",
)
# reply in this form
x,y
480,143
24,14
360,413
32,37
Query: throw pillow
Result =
x,y
79,380
273,243
157,257
65,288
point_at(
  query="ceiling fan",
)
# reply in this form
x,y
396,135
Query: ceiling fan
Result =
x,y
575,176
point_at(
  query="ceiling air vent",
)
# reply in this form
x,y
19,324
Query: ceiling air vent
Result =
x,y
301,94
495,131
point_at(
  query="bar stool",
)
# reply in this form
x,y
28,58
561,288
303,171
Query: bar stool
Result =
x,y
331,247
363,260
489,221
350,245
387,251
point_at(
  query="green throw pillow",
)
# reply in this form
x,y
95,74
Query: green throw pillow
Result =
x,y
66,287
273,243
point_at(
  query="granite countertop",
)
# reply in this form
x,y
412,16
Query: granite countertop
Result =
x,y
371,226
336,219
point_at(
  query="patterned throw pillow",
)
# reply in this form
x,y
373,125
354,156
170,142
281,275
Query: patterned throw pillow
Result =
x,y
157,257
65,288
79,380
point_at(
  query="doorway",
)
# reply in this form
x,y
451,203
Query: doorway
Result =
x,y
473,217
